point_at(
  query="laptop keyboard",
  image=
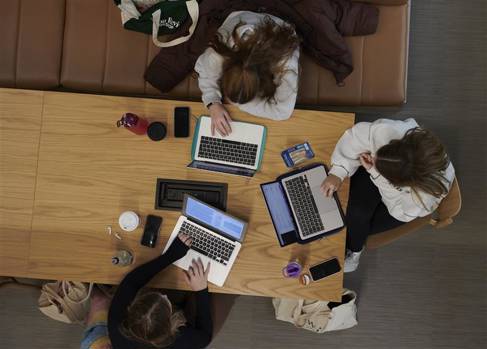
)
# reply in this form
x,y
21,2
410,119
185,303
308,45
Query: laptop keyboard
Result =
x,y
228,151
304,205
208,244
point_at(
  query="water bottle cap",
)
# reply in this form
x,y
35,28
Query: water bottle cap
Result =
x,y
156,131
128,120
115,260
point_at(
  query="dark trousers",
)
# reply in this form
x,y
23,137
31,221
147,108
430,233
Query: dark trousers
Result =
x,y
366,213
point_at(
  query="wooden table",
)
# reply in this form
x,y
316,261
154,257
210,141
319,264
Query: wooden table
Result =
x,y
67,173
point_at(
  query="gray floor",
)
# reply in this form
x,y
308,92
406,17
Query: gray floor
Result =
x,y
425,291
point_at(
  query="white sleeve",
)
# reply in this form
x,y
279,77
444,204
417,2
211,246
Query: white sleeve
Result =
x,y
209,69
345,158
400,204
282,105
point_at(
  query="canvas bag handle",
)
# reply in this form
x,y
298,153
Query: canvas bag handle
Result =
x,y
193,11
66,292
63,311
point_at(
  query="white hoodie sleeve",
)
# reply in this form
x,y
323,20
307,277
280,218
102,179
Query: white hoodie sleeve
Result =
x,y
365,137
345,158
209,69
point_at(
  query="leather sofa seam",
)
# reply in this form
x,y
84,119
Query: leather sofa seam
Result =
x,y
16,59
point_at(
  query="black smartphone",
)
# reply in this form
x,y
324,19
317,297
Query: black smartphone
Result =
x,y
151,231
181,122
324,269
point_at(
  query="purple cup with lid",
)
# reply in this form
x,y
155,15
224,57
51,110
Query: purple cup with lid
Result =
x,y
292,270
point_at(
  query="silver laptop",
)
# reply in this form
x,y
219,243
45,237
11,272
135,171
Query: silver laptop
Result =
x,y
313,213
239,153
216,238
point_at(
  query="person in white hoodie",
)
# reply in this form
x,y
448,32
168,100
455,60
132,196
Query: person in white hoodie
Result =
x,y
252,63
398,172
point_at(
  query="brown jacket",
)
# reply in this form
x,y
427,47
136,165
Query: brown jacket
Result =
x,y
321,24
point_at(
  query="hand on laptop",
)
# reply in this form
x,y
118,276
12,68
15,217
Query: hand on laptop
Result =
x,y
330,185
220,119
197,276
185,239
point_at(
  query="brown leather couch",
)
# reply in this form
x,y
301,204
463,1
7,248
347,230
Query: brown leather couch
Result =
x,y
80,45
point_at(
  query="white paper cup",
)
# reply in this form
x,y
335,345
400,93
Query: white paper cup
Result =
x,y
129,221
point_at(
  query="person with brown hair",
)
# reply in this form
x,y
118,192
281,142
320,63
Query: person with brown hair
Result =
x,y
398,172
140,319
252,63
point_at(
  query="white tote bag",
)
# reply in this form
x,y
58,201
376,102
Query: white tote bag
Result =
x,y
65,301
315,315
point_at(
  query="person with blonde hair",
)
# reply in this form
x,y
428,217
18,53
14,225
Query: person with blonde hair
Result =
x,y
140,318
253,63
399,172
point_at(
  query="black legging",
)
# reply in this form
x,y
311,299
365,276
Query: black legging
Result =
x,y
366,213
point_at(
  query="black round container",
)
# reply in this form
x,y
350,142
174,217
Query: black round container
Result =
x,y
156,131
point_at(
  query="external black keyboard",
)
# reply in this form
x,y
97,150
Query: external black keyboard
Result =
x,y
304,205
229,151
208,244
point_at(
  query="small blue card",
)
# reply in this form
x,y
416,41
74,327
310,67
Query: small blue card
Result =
x,y
299,153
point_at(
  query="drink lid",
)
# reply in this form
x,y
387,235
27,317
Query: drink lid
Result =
x,y
128,221
292,270
156,131
128,120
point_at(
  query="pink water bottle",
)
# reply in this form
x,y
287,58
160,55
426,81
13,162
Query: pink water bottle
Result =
x,y
133,123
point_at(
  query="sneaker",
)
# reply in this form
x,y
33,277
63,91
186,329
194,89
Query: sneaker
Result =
x,y
352,260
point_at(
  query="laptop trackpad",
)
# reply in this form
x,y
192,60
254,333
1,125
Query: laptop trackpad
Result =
x,y
327,206
329,211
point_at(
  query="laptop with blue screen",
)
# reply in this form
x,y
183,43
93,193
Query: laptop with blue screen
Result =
x,y
216,238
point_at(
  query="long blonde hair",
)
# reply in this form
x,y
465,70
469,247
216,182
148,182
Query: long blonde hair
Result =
x,y
254,65
417,160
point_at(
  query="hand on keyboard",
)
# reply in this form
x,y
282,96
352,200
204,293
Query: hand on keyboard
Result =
x,y
197,276
220,120
185,239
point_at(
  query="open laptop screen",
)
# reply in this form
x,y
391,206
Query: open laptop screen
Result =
x,y
278,208
214,218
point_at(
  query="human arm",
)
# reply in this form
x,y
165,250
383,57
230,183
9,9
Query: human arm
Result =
x,y
200,334
209,69
132,283
197,279
398,201
405,204
345,159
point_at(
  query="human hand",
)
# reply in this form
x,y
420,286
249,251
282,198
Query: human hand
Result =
x,y
330,185
185,239
197,276
366,160
220,119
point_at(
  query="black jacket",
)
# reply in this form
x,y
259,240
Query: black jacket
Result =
x,y
321,24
